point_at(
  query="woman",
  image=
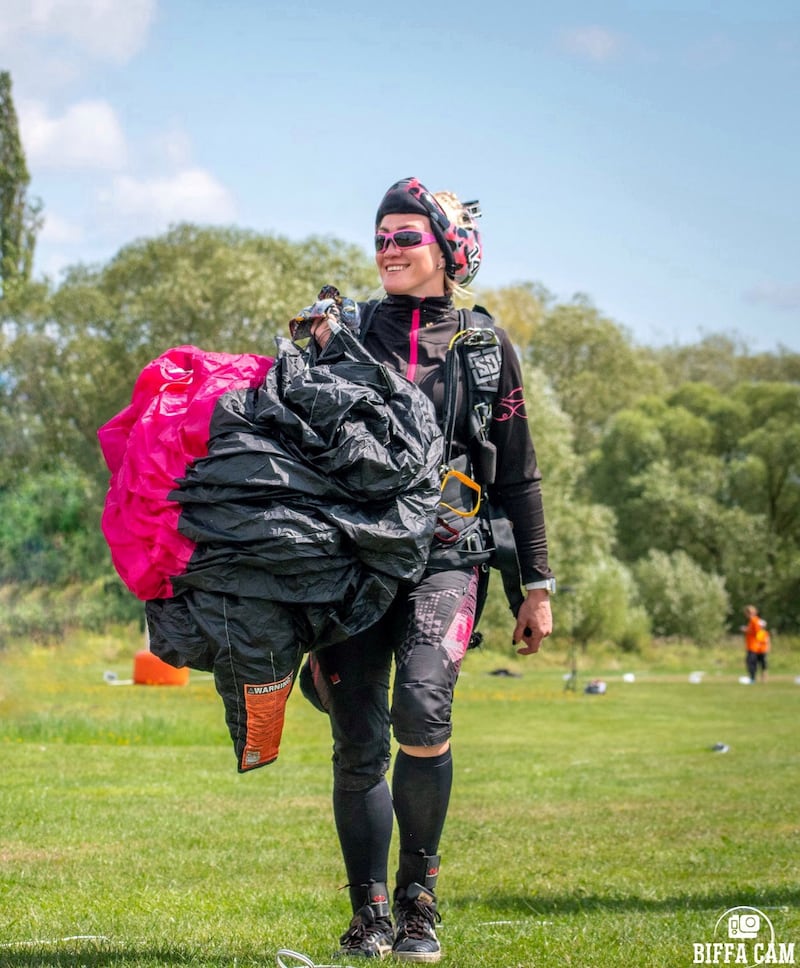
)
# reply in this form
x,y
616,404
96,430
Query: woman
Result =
x,y
425,247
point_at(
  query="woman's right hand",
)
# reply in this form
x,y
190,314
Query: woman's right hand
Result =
x,y
321,332
534,621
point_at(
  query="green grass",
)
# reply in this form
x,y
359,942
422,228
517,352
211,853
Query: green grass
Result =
x,y
583,830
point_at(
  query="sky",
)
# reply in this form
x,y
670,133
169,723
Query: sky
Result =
x,y
643,154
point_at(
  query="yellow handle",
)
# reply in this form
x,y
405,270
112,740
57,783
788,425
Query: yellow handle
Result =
x,y
467,482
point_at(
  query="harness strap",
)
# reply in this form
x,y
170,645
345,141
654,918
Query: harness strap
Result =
x,y
475,356
452,373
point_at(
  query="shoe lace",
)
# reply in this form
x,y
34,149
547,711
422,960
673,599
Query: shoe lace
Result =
x,y
359,932
418,919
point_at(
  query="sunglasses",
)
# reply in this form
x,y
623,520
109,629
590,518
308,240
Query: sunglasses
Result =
x,y
404,239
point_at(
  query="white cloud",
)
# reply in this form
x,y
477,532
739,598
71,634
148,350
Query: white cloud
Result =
x,y
191,195
112,30
594,43
776,295
87,136
15,17
60,231
175,145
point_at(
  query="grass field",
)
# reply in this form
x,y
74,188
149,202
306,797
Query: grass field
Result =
x,y
585,830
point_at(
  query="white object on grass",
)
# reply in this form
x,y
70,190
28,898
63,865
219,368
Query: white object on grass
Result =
x,y
112,679
299,960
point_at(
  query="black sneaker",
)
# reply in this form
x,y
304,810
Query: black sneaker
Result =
x,y
370,934
415,913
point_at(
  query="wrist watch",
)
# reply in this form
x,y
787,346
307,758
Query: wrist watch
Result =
x,y
548,584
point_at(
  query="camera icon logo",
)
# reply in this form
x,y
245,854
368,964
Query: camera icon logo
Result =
x,y
744,925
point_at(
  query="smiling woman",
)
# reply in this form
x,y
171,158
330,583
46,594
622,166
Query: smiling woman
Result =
x,y
415,269
425,247
441,218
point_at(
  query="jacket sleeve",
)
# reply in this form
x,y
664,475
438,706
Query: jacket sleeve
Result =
x,y
517,484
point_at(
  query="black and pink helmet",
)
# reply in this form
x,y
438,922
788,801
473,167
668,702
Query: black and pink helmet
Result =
x,y
461,244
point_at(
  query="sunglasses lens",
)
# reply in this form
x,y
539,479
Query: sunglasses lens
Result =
x,y
404,239
407,239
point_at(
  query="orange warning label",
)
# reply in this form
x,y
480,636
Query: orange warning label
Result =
x,y
265,705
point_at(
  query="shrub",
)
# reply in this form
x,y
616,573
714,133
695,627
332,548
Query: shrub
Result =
x,y
45,613
680,598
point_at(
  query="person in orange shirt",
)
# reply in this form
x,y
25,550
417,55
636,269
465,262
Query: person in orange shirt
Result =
x,y
756,640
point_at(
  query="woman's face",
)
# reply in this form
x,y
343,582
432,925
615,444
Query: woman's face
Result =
x,y
410,272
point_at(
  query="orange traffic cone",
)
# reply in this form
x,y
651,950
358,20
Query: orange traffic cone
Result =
x,y
149,670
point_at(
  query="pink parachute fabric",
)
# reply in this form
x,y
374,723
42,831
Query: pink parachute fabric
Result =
x,y
149,445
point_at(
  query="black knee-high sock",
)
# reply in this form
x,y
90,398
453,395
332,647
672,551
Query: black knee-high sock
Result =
x,y
421,790
364,821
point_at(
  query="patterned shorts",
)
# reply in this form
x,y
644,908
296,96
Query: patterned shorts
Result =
x,y
426,631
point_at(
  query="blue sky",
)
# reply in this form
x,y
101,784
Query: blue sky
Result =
x,y
645,154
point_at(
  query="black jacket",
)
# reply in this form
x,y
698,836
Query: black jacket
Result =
x,y
412,335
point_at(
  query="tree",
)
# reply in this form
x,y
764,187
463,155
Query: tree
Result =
x,y
520,310
603,605
767,475
723,361
20,219
726,416
684,509
713,360
593,366
716,477
631,443
73,367
48,532
681,598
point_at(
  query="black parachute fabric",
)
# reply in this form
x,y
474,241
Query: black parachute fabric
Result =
x,y
317,496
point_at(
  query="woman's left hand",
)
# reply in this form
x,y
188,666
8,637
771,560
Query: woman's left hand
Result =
x,y
534,621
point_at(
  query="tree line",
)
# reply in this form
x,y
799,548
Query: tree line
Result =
x,y
671,475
